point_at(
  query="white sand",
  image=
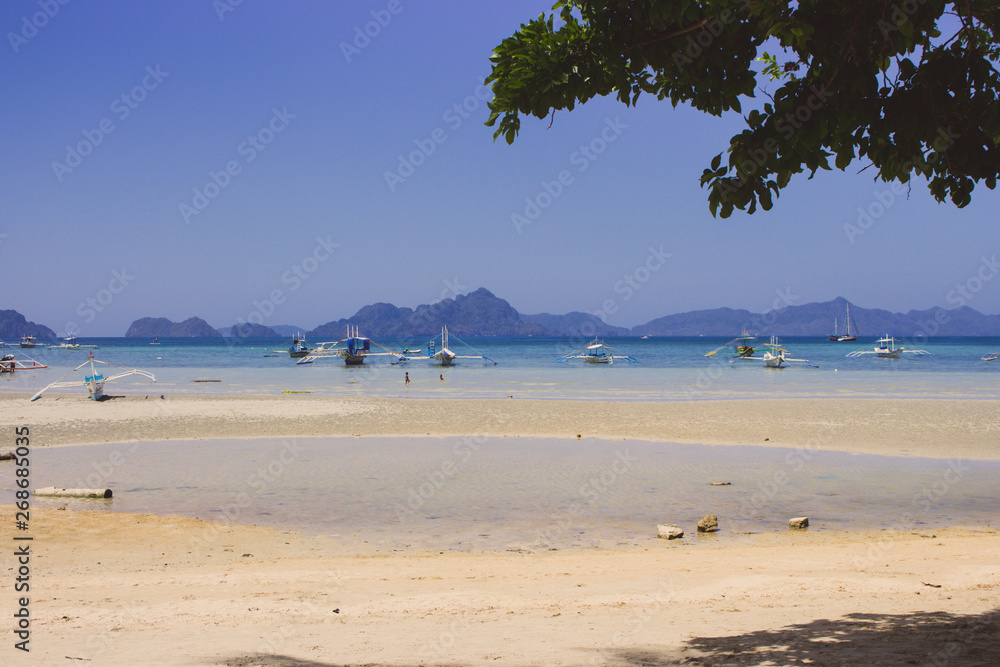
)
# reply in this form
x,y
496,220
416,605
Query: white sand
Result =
x,y
119,589
908,427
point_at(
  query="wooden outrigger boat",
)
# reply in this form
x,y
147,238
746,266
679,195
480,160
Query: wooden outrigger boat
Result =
x,y
95,381
353,349
775,357
886,348
443,356
10,364
743,346
597,352
991,356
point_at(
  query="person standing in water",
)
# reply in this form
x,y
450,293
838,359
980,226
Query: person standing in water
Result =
x,y
407,379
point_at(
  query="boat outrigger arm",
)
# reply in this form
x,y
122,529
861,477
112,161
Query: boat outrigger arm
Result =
x,y
353,349
597,352
775,357
743,347
886,348
443,356
95,381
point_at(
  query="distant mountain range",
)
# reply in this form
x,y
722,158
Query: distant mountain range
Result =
x,y
478,313
161,327
481,313
13,326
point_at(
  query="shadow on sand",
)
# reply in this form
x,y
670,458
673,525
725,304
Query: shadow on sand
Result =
x,y
928,639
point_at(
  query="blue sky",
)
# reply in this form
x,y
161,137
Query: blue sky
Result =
x,y
267,163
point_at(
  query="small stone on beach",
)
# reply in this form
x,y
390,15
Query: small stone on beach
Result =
x,y
669,532
709,523
799,522
719,483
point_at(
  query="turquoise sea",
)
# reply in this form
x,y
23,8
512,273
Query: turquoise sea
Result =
x,y
523,493
667,369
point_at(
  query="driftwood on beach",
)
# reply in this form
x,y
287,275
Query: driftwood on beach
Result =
x,y
73,493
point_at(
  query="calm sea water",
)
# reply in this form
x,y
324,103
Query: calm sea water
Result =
x,y
667,369
511,493
517,493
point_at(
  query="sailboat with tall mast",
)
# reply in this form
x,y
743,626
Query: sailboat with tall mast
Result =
x,y
848,335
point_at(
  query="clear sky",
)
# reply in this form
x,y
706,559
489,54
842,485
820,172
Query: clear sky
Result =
x,y
199,158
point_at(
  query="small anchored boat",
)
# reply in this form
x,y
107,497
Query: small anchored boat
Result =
x,y
775,357
443,356
743,346
353,349
886,348
95,381
598,352
10,364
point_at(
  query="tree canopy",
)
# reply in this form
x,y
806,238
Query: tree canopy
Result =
x,y
905,87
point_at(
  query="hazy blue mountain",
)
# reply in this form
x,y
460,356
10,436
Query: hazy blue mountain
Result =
x,y
161,327
479,313
287,330
818,319
577,325
248,330
13,326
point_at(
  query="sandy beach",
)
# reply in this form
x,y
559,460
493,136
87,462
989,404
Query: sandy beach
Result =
x,y
905,427
120,589
125,589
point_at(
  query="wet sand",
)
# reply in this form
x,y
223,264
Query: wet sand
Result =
x,y
127,589
903,427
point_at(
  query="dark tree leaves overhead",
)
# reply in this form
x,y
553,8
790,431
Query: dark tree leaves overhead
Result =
x,y
904,87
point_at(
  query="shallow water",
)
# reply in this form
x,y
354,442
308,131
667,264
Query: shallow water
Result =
x,y
668,369
517,493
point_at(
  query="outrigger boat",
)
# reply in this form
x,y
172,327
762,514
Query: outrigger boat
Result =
x,y
597,352
847,336
353,350
775,355
742,346
299,347
69,343
28,341
886,348
991,356
444,356
94,382
10,364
